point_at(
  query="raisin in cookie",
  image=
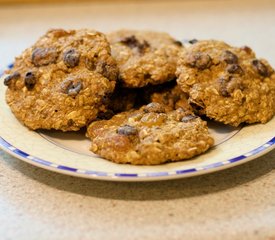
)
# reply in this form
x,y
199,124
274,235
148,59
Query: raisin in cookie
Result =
x,y
226,83
62,81
144,57
150,136
169,94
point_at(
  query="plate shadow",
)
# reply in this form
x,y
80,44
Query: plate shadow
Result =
x,y
158,190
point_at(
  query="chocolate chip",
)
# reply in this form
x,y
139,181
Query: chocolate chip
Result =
x,y
30,80
193,41
154,107
199,60
133,42
234,68
71,88
178,43
9,78
260,67
127,130
247,49
188,118
229,57
44,56
71,58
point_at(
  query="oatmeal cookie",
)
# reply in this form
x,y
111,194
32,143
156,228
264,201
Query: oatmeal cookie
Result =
x,y
227,84
144,57
62,81
169,94
150,136
122,99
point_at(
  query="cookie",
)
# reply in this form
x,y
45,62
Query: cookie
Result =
x,y
62,81
169,95
144,57
122,99
227,84
150,136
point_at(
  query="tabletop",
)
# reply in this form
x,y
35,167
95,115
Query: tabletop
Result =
x,y
237,203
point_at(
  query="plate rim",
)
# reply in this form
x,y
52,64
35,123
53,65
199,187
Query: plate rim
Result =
x,y
135,177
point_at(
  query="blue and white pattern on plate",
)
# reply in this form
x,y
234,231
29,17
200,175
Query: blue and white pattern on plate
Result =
x,y
233,149
23,155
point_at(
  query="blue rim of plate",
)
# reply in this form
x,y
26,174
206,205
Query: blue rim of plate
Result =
x,y
6,146
97,174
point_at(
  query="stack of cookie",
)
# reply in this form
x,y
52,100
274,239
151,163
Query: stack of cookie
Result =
x,y
139,93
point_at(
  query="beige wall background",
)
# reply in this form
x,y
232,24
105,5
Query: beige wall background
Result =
x,y
70,1
7,2
40,1
67,1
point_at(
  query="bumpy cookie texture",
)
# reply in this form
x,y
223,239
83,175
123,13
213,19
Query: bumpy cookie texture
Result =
x,y
150,136
62,81
169,94
227,84
144,57
122,99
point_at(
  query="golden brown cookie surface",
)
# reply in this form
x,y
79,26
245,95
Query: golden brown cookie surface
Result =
x,y
169,94
150,136
228,84
144,57
62,80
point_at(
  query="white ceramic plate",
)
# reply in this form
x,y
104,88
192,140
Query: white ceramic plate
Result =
x,y
68,153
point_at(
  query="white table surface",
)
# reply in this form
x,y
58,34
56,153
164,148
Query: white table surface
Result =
x,y
237,203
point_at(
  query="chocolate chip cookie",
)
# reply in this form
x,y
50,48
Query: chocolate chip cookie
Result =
x,y
62,81
144,57
227,84
150,136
